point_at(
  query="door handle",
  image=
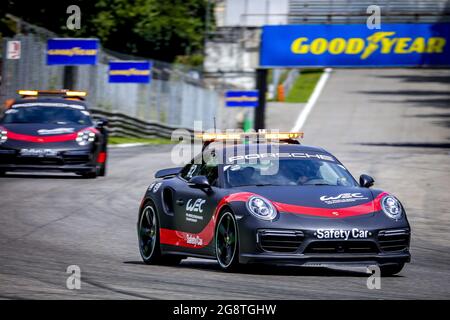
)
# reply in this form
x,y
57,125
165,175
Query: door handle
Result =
x,y
179,202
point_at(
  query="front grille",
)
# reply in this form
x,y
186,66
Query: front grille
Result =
x,y
341,247
283,241
34,161
76,159
393,240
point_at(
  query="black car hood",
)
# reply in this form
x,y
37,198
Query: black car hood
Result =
x,y
42,129
314,196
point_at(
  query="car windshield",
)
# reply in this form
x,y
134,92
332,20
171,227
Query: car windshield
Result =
x,y
43,114
288,172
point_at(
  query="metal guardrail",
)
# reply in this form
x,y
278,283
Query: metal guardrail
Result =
x,y
120,124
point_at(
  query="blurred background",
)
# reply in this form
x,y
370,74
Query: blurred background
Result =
x,y
199,49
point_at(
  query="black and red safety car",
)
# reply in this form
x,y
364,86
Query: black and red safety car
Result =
x,y
281,203
52,131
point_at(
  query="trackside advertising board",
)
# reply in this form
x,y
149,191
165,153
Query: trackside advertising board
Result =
x,y
394,45
130,71
241,98
72,52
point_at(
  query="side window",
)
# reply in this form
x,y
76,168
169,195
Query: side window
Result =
x,y
211,172
190,171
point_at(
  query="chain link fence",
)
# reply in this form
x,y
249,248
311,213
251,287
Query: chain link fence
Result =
x,y
175,97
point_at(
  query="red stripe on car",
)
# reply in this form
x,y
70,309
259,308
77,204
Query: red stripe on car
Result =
x,y
180,238
37,139
358,210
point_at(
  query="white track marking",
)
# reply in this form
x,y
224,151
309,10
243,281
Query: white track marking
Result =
x,y
312,100
127,145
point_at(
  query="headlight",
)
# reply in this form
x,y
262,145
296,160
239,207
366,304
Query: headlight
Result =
x,y
261,208
85,137
3,135
391,207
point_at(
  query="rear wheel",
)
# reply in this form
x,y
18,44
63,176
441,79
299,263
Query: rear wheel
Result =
x,y
2,173
227,242
148,235
391,269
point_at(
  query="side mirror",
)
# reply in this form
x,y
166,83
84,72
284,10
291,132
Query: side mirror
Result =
x,y
366,181
199,182
102,122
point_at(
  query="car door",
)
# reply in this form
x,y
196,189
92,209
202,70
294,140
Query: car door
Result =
x,y
194,208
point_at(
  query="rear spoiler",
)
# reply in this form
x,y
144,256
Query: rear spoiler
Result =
x,y
164,173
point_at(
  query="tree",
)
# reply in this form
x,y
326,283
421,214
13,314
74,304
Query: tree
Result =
x,y
159,29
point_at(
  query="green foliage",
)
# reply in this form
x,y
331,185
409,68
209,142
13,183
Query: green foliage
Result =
x,y
194,60
304,85
160,29
120,140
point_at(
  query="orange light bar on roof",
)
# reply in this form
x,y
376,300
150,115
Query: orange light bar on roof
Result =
x,y
28,92
66,93
76,93
261,135
283,135
219,136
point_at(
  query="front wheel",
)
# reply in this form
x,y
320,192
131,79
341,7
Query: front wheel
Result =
x,y
391,269
227,242
102,170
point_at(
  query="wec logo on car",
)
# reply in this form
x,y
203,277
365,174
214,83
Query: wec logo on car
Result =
x,y
195,206
343,197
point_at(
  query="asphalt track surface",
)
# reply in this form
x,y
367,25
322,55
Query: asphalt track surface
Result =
x,y
392,124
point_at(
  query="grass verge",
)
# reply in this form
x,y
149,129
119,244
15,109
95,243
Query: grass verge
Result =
x,y
304,85
121,140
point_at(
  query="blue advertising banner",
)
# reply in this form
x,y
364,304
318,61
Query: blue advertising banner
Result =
x,y
394,45
130,71
241,98
72,52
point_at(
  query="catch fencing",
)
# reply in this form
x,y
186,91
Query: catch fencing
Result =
x,y
175,98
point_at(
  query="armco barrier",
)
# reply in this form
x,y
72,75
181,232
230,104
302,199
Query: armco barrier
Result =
x,y
120,124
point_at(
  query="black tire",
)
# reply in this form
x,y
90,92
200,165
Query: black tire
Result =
x,y
227,242
148,238
148,235
2,173
391,269
102,170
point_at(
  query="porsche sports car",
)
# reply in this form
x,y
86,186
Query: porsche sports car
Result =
x,y
52,131
279,203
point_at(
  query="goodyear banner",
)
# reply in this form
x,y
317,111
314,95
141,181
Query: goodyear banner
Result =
x,y
241,98
130,71
394,45
72,52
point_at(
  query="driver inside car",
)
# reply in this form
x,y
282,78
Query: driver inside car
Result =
x,y
308,171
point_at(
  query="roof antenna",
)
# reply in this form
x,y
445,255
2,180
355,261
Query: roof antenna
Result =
x,y
215,127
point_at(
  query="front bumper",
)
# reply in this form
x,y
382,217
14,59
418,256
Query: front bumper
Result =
x,y
326,260
293,239
82,161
